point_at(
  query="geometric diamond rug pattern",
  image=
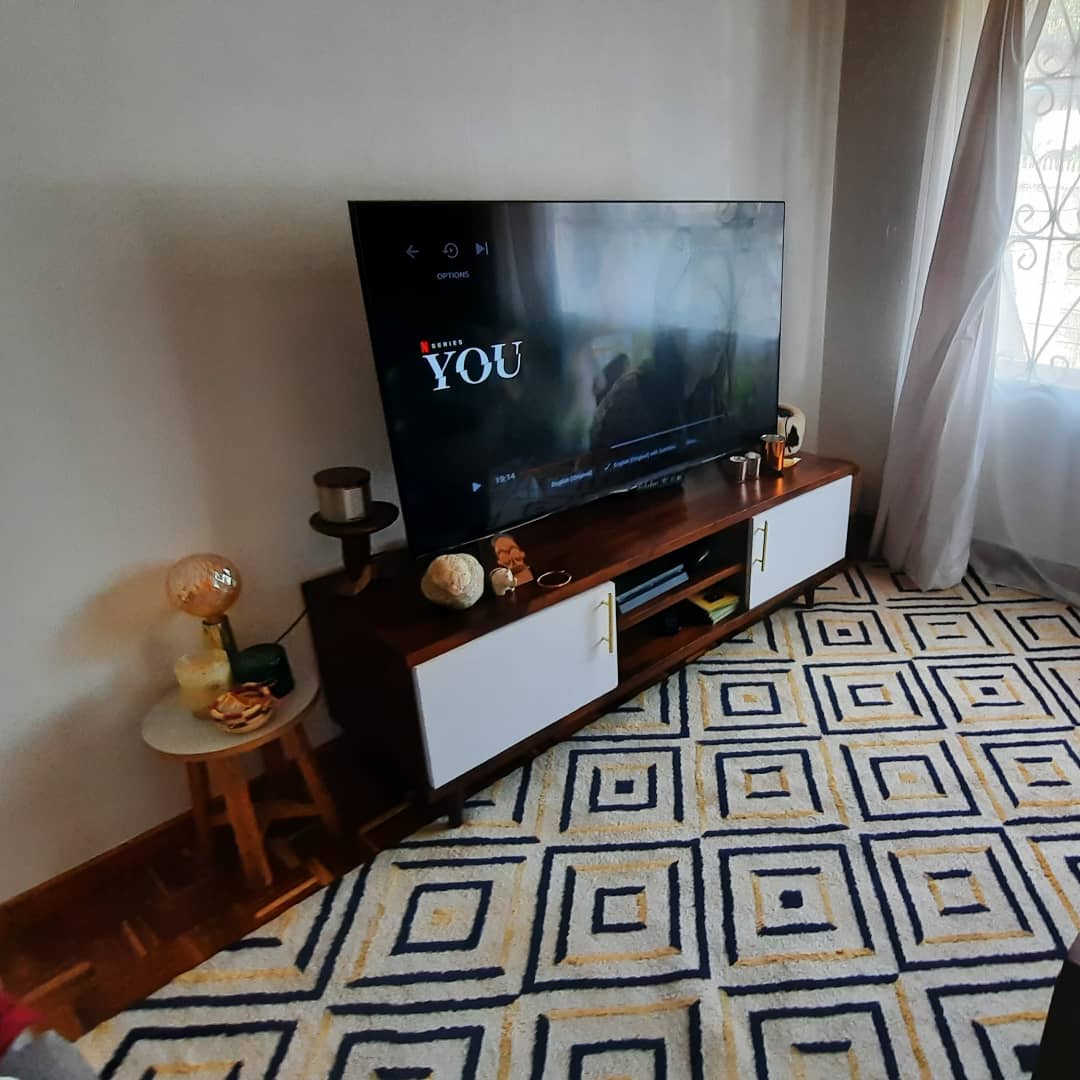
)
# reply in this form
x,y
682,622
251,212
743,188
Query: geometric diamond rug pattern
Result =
x,y
845,843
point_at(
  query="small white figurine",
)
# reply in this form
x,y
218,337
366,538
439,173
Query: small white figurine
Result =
x,y
502,580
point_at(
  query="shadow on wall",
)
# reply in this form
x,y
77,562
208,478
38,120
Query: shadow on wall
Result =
x,y
93,784
89,751
227,326
129,616
267,335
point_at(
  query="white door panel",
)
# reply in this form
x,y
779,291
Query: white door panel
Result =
x,y
797,539
483,697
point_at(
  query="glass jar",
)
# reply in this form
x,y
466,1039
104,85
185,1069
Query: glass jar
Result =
x,y
202,677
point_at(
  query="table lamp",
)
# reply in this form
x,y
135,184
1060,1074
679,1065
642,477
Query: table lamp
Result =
x,y
207,586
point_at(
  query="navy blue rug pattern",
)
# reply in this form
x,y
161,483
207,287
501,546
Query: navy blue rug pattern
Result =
x,y
846,843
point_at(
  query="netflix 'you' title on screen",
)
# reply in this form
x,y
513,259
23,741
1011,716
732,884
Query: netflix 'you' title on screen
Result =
x,y
473,364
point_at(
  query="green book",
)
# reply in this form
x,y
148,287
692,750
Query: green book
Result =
x,y
725,603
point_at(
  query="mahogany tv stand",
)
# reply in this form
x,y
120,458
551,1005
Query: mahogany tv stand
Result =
x,y
441,702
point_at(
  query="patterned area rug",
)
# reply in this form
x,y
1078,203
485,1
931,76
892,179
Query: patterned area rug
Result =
x,y
847,843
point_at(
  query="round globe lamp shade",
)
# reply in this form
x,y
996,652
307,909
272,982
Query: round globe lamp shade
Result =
x,y
205,585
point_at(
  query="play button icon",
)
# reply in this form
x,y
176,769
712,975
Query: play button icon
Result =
x,y
476,487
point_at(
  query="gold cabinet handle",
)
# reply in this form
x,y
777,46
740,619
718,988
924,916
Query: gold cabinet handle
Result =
x,y
609,603
764,530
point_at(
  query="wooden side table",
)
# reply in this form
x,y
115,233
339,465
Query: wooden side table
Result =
x,y
211,757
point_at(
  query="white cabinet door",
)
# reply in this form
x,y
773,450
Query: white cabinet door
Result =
x,y
798,538
482,697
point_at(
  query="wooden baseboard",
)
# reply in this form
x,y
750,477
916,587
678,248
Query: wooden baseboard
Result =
x,y
80,881
71,886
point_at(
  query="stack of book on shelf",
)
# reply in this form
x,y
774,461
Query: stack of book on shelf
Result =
x,y
713,605
639,586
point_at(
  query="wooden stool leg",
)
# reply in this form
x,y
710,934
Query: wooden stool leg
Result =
x,y
296,743
199,786
244,822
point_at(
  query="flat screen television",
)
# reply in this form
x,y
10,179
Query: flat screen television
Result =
x,y
535,355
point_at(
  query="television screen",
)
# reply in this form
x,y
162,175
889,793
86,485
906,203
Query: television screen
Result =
x,y
535,355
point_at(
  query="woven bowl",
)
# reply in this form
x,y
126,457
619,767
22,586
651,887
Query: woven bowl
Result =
x,y
243,709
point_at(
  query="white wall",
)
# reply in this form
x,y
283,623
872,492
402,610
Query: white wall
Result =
x,y
181,335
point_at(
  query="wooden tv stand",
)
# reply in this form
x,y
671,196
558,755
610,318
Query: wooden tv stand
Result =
x,y
441,702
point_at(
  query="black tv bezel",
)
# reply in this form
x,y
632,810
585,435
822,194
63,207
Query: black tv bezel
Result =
x,y
581,500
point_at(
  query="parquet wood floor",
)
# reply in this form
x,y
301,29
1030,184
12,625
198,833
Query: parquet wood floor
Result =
x,y
86,945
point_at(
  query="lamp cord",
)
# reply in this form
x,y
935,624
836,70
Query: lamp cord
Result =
x,y
289,629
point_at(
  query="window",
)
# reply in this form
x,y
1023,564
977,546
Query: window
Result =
x,y
1039,327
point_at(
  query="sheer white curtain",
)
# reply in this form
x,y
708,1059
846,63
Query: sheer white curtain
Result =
x,y
940,427
960,26
1027,525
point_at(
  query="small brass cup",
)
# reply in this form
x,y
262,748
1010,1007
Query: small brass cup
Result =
x,y
773,449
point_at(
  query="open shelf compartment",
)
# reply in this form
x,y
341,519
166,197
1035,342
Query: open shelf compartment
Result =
x,y
726,562
643,653
687,589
